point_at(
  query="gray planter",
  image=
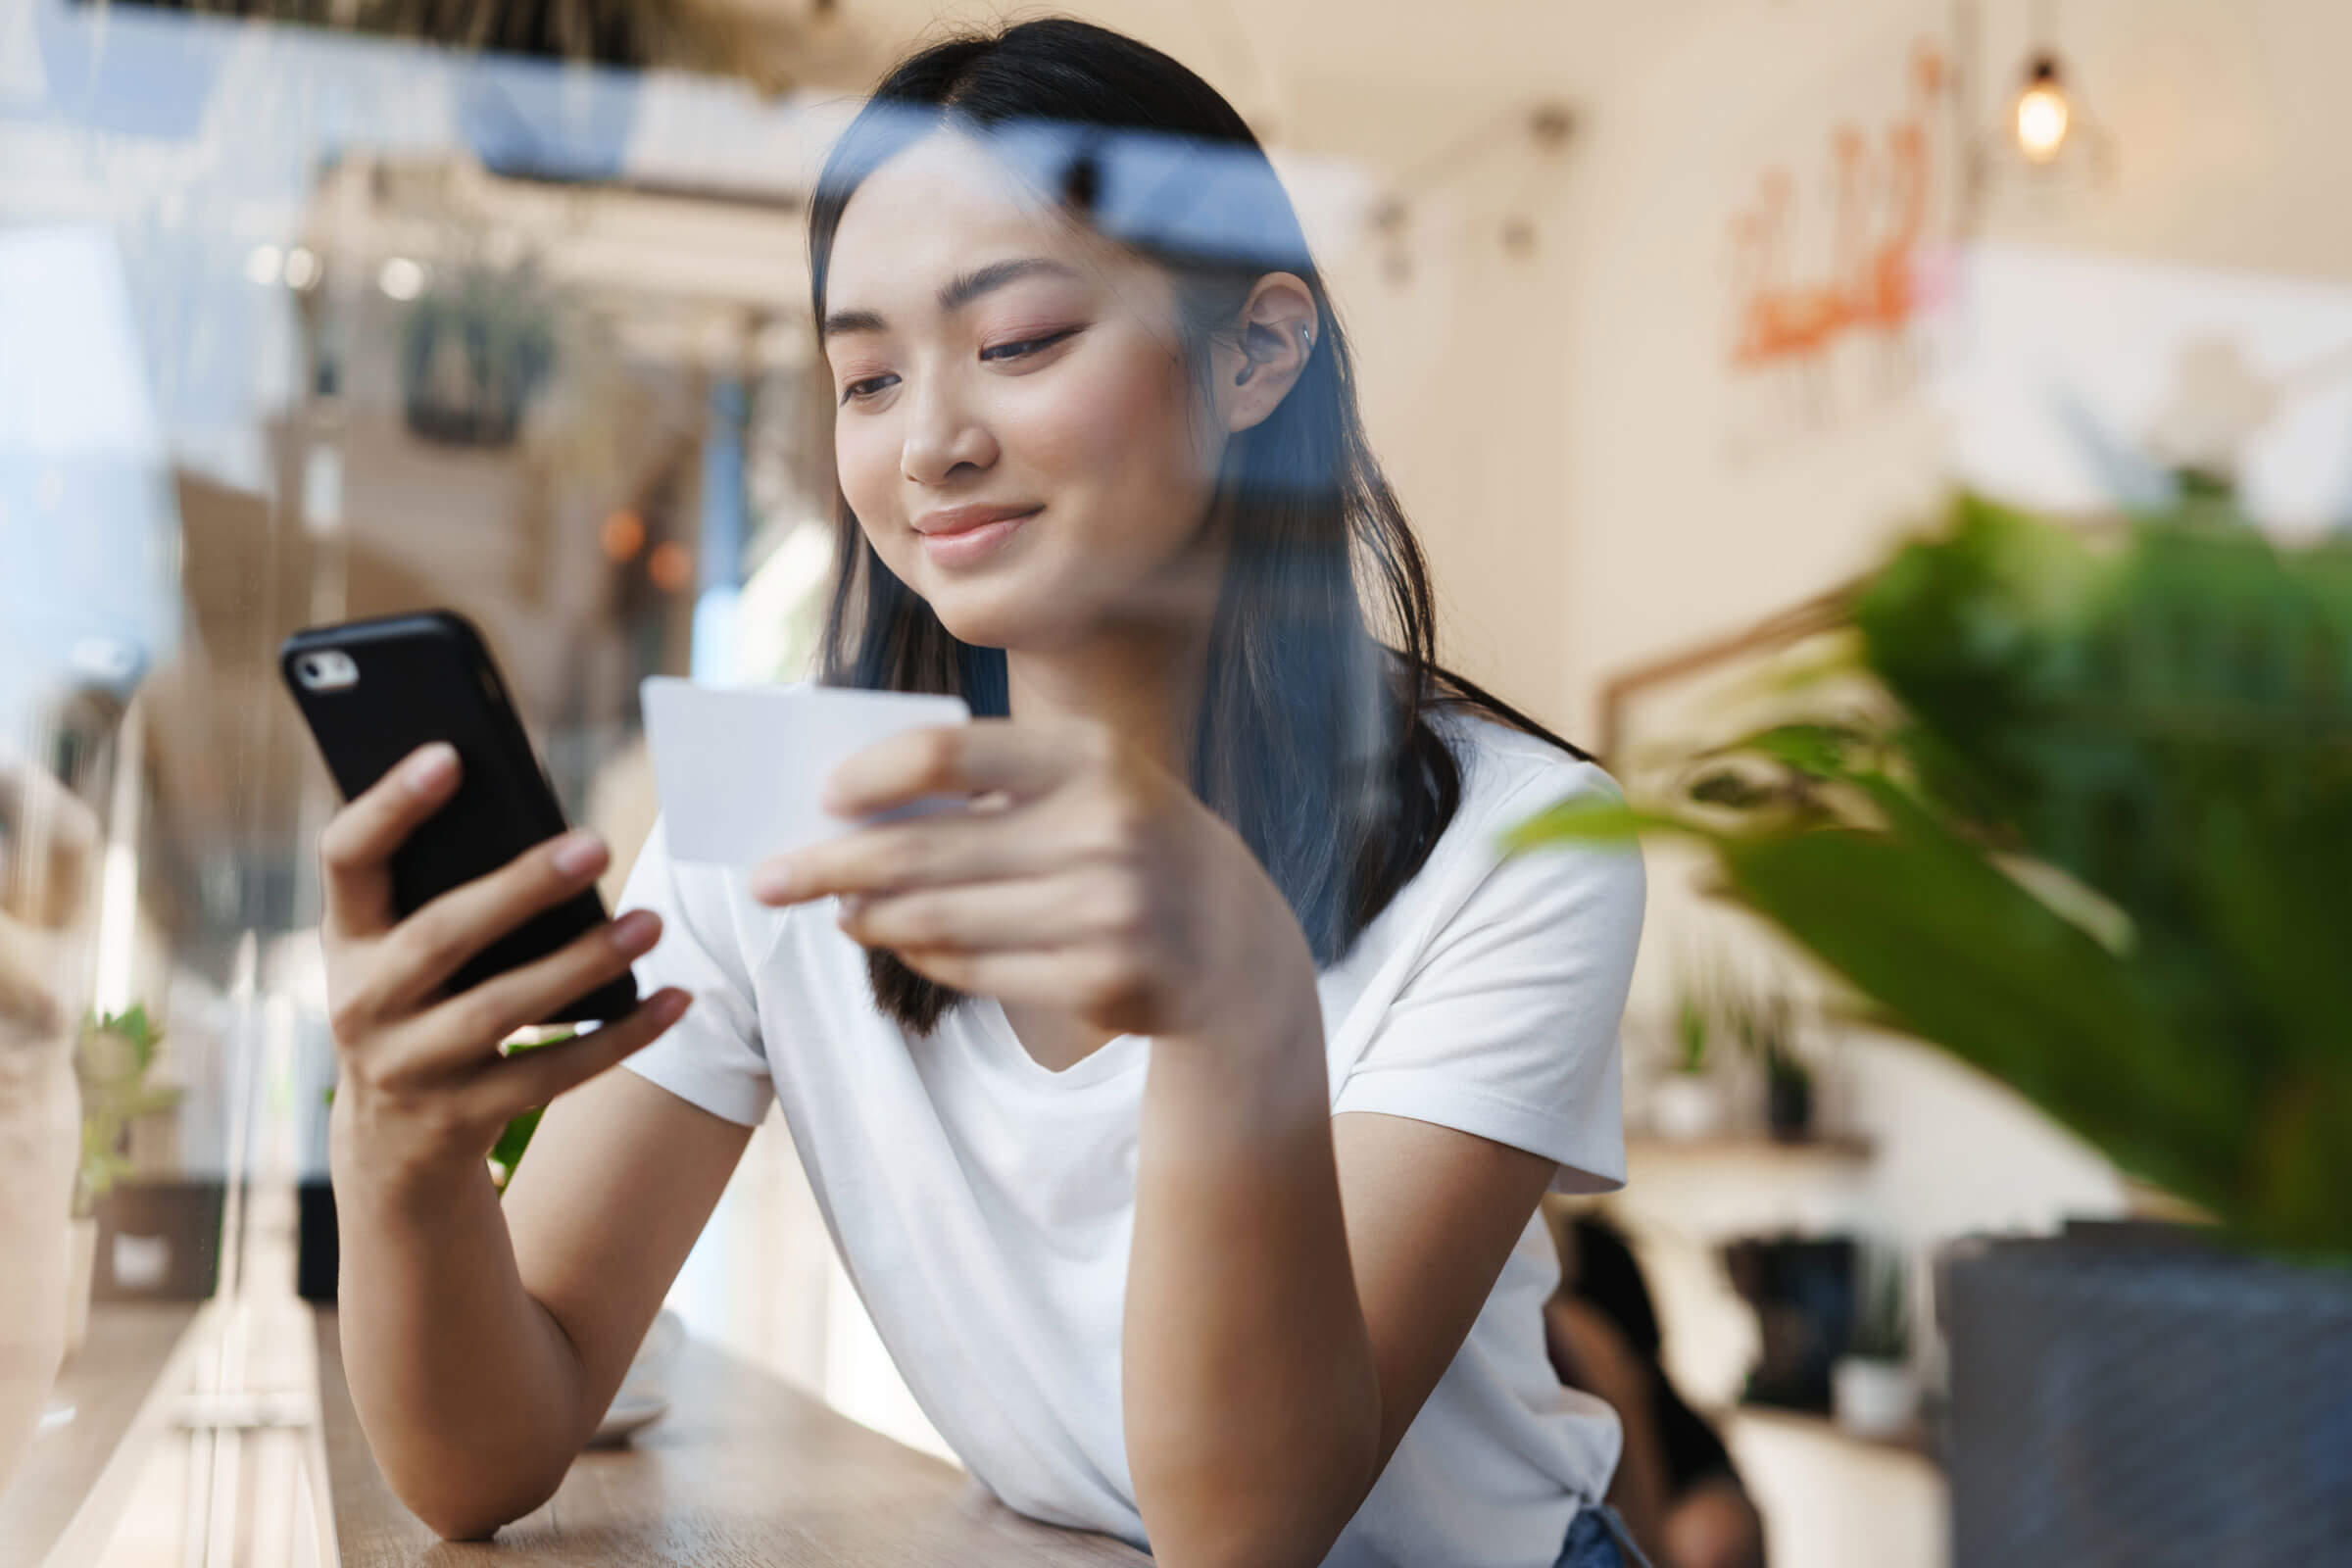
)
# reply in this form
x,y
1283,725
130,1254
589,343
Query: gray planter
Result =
x,y
2134,1395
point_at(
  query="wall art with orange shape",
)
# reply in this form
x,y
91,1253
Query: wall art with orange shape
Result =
x,y
1832,248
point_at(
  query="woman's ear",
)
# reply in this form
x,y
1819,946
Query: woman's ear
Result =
x,y
1277,332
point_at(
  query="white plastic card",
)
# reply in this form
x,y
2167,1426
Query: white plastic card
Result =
x,y
740,769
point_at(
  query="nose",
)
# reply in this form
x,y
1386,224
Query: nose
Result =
x,y
943,434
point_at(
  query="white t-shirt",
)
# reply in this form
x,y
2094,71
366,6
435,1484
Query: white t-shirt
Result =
x,y
983,1205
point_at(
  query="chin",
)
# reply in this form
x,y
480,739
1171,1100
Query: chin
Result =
x,y
1044,601
1011,615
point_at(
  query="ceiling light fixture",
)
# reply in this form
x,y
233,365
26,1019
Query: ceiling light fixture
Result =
x,y
2046,144
401,279
2042,114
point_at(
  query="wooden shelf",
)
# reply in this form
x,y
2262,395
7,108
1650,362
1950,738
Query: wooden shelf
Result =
x,y
1845,1149
1915,1442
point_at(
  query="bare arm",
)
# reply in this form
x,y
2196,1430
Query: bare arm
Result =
x,y
1299,1284
482,1344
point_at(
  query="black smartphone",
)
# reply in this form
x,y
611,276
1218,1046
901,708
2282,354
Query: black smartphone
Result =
x,y
373,691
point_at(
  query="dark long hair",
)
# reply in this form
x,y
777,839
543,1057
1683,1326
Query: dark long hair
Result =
x,y
1314,739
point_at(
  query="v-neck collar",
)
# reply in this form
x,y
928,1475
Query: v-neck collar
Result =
x,y
1115,1056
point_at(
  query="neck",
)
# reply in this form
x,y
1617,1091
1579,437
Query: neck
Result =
x,y
1144,684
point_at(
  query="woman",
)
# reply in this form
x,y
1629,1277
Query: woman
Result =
x,y
1180,1109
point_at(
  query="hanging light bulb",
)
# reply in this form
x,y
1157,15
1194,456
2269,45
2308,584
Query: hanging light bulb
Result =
x,y
2042,116
2049,140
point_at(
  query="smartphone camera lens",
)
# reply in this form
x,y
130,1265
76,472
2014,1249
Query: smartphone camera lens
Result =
x,y
326,671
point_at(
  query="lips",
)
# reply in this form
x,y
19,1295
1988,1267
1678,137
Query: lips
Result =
x,y
952,521
962,536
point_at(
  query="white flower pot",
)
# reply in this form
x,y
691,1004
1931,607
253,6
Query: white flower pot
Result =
x,y
1874,1398
1685,1107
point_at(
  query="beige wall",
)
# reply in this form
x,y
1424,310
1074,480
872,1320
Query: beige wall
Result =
x,y
2232,141
1465,366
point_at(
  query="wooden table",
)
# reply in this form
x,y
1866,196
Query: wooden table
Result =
x,y
744,1470
75,1474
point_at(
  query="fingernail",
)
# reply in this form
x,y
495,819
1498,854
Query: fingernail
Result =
x,y
431,768
579,853
670,1006
772,881
635,931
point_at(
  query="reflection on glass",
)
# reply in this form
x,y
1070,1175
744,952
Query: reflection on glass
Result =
x,y
296,328
302,329
48,849
88,541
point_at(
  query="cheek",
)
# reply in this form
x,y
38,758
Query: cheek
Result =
x,y
1115,424
865,454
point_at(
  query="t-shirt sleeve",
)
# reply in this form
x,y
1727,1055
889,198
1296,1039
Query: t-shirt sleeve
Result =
x,y
1507,1025
713,1057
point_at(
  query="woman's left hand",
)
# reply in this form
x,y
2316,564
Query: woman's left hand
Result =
x,y
1083,876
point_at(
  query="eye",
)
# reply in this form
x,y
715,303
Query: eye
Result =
x,y
869,387
1027,346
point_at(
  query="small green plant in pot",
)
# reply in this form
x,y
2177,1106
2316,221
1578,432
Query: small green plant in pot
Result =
x,y
1874,1387
1766,1026
2095,839
1693,1030
113,1055
478,347
111,1061
1685,1102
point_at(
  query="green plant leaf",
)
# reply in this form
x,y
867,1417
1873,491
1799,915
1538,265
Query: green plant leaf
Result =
x,y
1819,749
507,1153
1970,961
2094,835
1591,820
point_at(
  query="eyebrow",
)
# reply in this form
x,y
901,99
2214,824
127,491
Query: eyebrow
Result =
x,y
960,291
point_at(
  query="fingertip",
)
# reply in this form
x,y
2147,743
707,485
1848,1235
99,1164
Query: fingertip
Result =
x,y
579,853
771,881
431,768
670,1005
836,799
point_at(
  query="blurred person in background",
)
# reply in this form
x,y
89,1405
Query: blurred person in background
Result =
x,y
1182,1106
1675,1484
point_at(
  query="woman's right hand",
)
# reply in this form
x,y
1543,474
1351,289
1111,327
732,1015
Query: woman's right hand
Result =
x,y
424,1088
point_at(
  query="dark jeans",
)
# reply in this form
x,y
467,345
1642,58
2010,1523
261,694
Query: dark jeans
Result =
x,y
1597,1540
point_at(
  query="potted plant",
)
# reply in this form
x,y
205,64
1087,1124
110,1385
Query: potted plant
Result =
x,y
111,1063
2098,843
1686,1103
1874,1390
1766,1025
477,347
